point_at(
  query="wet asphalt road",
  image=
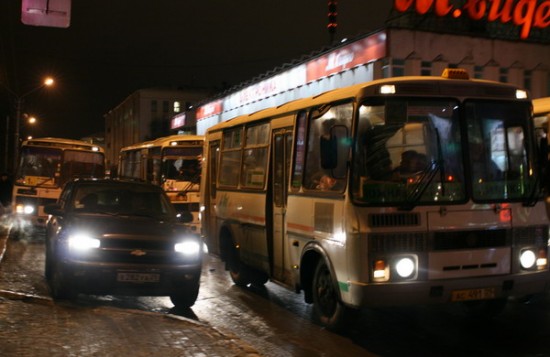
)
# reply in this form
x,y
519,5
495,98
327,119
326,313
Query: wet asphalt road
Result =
x,y
276,322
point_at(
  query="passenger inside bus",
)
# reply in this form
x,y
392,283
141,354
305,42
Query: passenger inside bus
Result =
x,y
412,163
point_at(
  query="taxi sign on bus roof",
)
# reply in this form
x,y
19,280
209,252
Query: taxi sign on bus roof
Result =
x,y
455,73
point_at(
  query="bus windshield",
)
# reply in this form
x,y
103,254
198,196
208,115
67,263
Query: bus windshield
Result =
x,y
38,166
182,163
53,167
410,152
500,157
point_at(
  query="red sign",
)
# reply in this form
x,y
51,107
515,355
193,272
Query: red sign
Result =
x,y
357,53
177,121
527,14
209,109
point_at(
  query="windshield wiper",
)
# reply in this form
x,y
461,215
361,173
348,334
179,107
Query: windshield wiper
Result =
x,y
426,178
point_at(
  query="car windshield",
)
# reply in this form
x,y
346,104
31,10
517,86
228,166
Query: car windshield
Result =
x,y
127,200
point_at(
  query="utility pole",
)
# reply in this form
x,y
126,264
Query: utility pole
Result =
x,y
18,105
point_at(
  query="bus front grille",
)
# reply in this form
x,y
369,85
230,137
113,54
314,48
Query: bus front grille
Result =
x,y
394,220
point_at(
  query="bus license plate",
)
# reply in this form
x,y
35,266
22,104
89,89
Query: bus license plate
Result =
x,y
138,277
473,294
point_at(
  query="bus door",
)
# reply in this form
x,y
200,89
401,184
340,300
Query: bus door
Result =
x,y
282,145
209,186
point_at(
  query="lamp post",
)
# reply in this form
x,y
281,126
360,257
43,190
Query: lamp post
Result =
x,y
18,106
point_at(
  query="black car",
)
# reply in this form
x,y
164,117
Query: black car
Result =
x,y
121,238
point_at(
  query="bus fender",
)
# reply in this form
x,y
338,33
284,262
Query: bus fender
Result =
x,y
311,254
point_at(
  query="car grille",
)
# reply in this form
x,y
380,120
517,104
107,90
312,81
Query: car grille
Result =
x,y
136,251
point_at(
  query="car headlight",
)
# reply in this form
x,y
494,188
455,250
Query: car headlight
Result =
x,y
188,247
83,241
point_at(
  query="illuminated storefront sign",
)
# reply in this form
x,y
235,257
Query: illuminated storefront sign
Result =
x,y
357,53
177,121
209,109
527,14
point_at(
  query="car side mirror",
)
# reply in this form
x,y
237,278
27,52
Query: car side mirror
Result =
x,y
53,209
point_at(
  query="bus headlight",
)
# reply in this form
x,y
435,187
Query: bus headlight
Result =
x,y
405,267
395,269
529,259
24,209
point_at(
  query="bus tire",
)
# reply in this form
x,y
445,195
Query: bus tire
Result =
x,y
328,310
239,272
258,278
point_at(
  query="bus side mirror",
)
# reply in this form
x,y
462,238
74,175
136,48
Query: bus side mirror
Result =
x,y
334,151
329,152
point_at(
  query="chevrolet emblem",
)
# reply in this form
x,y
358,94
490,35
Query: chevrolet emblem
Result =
x,y
138,253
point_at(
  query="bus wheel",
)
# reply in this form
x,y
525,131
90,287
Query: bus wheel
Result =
x,y
240,273
327,308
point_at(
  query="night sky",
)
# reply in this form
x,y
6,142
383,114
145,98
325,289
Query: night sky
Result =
x,y
115,47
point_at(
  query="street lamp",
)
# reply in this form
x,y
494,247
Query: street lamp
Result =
x,y
32,122
19,102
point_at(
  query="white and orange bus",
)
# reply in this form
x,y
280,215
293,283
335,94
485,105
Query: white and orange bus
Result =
x,y
408,190
172,162
45,165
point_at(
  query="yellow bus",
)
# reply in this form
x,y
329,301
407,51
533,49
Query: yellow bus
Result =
x,y
408,190
45,165
172,162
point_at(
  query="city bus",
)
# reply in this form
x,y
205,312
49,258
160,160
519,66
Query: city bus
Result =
x,y
398,191
172,162
45,165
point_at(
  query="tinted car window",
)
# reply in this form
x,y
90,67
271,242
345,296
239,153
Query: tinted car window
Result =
x,y
118,200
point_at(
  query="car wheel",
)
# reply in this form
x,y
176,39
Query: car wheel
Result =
x,y
328,310
48,264
185,298
14,233
60,284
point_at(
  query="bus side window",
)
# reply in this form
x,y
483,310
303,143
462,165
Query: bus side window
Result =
x,y
328,148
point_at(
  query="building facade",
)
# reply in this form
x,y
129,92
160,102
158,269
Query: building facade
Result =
x,y
144,115
391,52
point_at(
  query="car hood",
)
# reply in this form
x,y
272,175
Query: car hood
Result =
x,y
125,225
